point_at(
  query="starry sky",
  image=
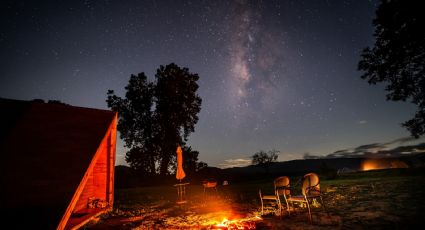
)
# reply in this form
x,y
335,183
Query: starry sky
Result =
x,y
273,74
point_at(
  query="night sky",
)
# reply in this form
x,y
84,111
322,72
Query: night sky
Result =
x,y
273,74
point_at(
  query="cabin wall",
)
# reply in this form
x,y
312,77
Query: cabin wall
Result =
x,y
111,161
96,183
99,184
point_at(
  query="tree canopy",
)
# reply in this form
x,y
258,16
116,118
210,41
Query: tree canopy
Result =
x,y
398,57
265,159
155,117
191,164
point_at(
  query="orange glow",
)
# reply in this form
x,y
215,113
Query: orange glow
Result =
x,y
245,223
219,213
382,163
223,223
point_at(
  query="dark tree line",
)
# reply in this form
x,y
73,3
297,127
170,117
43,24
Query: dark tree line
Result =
x,y
265,159
155,117
398,56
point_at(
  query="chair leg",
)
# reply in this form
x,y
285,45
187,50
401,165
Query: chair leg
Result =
x,y
280,212
262,204
287,206
279,205
324,207
309,212
289,211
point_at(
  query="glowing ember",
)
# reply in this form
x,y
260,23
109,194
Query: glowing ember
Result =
x,y
222,225
245,223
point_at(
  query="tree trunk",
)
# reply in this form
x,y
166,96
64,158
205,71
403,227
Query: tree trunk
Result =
x,y
152,164
165,161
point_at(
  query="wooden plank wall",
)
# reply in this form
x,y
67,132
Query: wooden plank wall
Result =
x,y
99,175
111,166
100,183
96,183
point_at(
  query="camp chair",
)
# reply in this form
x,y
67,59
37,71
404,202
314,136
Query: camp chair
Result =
x,y
310,192
281,187
209,184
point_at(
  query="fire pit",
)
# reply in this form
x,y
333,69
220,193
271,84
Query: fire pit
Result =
x,y
236,224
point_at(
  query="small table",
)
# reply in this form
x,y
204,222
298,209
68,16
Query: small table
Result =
x,y
181,193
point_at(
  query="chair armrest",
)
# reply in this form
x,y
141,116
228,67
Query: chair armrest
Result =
x,y
283,188
313,189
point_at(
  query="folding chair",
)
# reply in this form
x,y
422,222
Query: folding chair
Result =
x,y
281,185
310,192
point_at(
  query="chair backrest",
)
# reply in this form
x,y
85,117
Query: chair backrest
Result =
x,y
209,183
281,185
311,185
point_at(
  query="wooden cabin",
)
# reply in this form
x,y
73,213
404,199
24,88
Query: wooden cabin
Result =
x,y
57,164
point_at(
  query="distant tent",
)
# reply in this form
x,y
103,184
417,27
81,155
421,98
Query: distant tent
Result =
x,y
57,164
345,170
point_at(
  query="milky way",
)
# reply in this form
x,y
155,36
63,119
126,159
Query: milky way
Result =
x,y
275,74
254,54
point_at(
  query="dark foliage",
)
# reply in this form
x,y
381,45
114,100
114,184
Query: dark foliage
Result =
x,y
190,161
328,171
155,117
265,159
177,108
398,57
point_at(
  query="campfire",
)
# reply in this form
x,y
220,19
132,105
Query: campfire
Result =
x,y
230,224
204,212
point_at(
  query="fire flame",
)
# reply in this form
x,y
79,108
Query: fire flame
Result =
x,y
219,213
223,223
245,223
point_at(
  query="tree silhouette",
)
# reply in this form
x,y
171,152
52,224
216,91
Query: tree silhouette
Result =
x,y
155,117
265,159
177,108
136,123
398,57
191,163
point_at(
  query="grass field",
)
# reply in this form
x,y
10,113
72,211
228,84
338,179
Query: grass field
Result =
x,y
377,199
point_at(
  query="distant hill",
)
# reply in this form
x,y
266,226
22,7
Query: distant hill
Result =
x,y
301,166
327,167
321,165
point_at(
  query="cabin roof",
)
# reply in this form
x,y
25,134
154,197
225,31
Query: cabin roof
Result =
x,y
46,149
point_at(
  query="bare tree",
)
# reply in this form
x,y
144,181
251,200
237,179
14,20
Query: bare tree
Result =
x,y
265,159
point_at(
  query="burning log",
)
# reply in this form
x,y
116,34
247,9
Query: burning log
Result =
x,y
244,223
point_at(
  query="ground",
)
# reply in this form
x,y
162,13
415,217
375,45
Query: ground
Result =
x,y
374,200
